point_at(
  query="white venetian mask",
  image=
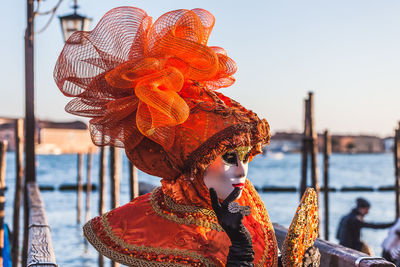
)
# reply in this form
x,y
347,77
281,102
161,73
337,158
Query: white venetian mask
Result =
x,y
228,171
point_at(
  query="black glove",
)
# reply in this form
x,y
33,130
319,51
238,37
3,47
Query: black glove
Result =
x,y
230,215
280,264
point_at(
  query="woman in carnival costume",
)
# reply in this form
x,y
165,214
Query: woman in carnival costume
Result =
x,y
151,88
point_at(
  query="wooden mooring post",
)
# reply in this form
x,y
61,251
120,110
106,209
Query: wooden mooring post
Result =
x,y
115,173
88,185
19,171
102,189
30,122
327,153
80,188
313,145
133,182
396,150
305,148
309,147
102,180
3,152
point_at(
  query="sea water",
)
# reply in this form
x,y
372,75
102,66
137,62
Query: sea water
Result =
x,y
371,170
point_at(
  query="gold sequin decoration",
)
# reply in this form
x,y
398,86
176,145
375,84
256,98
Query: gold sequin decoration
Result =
x,y
302,231
242,151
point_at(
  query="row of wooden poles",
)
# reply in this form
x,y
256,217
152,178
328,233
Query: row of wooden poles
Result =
x,y
310,153
18,191
115,177
36,228
115,173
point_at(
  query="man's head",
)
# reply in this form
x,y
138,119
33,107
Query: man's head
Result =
x,y
363,205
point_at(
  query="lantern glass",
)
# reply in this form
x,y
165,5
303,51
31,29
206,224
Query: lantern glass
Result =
x,y
72,23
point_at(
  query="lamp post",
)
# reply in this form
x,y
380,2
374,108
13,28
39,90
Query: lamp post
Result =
x,y
69,24
78,23
74,22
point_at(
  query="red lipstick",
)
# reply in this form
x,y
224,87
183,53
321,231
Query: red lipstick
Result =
x,y
241,185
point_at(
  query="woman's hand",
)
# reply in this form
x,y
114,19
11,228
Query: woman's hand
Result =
x,y
230,215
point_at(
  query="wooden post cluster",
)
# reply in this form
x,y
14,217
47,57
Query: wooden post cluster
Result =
x,y
327,153
396,150
309,147
19,171
3,151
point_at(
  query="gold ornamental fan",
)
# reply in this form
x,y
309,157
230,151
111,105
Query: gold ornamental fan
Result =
x,y
302,231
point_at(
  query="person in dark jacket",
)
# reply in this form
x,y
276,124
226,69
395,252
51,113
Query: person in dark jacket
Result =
x,y
350,226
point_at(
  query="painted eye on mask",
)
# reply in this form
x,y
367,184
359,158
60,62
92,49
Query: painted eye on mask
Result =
x,y
230,158
241,153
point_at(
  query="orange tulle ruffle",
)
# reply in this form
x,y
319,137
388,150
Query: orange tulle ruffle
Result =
x,y
129,67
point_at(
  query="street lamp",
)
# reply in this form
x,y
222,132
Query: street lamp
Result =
x,y
70,24
74,22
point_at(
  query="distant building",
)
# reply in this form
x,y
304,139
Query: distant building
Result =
x,y
357,144
53,137
368,144
343,144
292,142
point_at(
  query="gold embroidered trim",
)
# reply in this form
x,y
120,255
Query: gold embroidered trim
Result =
x,y
190,218
104,250
184,208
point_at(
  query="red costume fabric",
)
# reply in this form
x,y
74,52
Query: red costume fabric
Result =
x,y
153,230
150,88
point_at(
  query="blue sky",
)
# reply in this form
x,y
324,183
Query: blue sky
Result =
x,y
346,51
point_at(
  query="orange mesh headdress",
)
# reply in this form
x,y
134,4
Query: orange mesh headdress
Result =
x,y
150,89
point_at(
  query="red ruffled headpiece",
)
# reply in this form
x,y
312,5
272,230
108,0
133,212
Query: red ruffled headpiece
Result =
x,y
150,88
